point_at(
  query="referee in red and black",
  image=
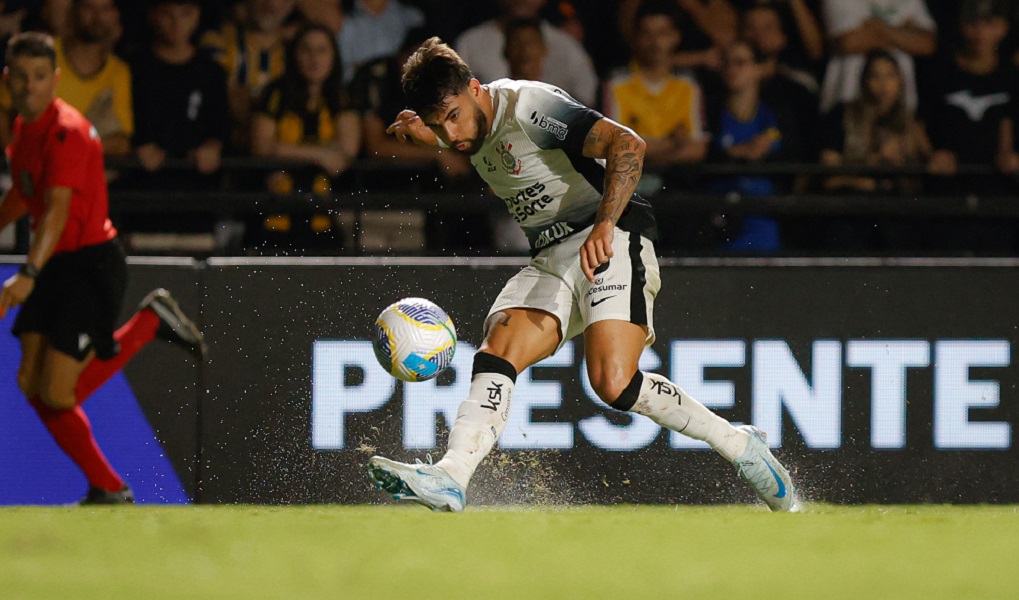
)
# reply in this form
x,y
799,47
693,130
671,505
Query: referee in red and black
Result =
x,y
71,286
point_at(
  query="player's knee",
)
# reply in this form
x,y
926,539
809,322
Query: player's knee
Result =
x,y
614,386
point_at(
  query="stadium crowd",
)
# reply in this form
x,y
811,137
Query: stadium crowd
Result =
x,y
913,94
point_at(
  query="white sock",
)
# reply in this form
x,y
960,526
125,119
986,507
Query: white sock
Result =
x,y
480,421
666,404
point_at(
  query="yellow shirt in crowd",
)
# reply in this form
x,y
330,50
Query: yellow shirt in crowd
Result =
x,y
657,110
104,98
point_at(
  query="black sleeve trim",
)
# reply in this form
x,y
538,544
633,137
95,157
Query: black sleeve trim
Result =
x,y
578,130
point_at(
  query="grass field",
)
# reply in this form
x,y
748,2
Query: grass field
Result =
x,y
870,552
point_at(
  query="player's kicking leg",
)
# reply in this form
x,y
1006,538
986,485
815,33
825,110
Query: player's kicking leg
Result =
x,y
613,348
515,339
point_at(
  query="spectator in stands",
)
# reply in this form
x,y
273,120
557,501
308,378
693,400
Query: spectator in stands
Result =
x,y
92,79
762,25
969,102
708,26
796,39
745,130
568,65
877,128
180,93
252,51
50,16
904,28
376,94
323,12
305,117
648,96
525,50
11,19
374,29
790,91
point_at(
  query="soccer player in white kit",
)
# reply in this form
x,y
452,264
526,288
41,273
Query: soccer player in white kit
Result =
x,y
567,175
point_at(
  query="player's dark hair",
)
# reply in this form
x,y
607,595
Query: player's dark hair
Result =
x,y
31,43
294,95
432,75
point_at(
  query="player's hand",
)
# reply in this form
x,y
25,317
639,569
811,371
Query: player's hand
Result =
x,y
597,248
15,291
408,127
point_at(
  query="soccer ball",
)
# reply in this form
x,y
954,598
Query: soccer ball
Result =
x,y
414,339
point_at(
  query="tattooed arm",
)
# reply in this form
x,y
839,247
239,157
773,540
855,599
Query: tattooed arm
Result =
x,y
623,151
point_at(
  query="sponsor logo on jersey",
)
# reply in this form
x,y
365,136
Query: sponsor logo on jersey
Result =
x,y
489,164
553,234
528,202
610,287
554,126
510,163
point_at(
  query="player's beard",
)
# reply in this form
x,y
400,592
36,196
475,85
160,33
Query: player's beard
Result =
x,y
474,144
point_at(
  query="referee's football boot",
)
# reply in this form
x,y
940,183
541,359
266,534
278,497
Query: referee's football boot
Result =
x,y
174,326
762,471
100,496
423,483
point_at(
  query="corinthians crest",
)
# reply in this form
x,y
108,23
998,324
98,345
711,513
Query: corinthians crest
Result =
x,y
510,163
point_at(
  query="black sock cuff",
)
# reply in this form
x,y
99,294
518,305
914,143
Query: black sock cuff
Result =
x,y
630,393
490,363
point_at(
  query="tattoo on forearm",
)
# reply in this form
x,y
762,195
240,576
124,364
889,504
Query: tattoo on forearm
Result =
x,y
622,172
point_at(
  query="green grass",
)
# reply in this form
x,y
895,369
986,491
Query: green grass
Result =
x,y
868,552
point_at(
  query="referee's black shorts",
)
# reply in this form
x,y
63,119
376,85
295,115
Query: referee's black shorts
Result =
x,y
77,299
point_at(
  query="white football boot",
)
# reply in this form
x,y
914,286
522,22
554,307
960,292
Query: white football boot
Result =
x,y
423,483
762,471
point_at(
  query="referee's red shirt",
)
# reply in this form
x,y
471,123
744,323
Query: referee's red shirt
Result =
x,y
62,149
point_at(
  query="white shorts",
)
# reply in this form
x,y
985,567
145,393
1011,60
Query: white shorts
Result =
x,y
624,288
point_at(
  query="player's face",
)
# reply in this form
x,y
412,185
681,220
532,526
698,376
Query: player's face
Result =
x,y
462,124
655,40
884,83
32,81
314,56
175,23
96,21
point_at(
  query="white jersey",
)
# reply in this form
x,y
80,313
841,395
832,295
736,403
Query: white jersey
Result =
x,y
532,158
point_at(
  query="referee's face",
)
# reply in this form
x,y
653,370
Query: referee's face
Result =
x,y
32,81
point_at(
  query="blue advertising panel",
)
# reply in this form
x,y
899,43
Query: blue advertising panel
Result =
x,y
33,470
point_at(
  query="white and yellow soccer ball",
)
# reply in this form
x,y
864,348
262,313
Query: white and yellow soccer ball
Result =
x,y
414,339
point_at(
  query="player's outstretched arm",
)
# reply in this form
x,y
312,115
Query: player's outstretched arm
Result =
x,y
408,127
623,151
17,288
